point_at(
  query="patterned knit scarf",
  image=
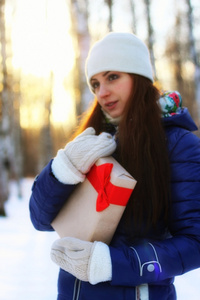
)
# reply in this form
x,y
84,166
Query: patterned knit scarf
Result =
x,y
170,103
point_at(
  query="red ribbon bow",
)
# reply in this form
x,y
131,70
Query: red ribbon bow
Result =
x,y
108,193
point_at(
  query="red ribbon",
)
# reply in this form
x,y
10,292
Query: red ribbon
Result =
x,y
108,193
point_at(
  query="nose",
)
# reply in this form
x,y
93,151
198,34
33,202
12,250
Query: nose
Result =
x,y
103,90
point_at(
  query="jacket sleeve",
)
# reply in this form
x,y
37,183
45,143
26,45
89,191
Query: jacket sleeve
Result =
x,y
47,198
155,261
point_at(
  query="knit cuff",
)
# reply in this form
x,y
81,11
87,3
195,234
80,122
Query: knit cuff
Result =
x,y
64,170
100,265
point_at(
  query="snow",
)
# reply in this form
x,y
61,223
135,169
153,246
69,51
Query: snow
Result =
x,y
26,270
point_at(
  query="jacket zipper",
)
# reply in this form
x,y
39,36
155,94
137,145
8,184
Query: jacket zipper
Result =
x,y
77,286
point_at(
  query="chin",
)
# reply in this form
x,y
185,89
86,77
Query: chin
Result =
x,y
114,114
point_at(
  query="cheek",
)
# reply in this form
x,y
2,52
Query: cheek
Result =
x,y
129,90
126,94
125,89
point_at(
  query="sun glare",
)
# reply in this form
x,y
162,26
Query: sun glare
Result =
x,y
63,108
42,45
40,38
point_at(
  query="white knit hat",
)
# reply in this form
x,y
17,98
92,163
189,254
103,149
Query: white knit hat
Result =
x,y
122,52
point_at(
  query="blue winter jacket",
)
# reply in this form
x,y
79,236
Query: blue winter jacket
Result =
x,y
157,259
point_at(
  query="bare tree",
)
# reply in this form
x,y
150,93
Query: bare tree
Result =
x,y
81,41
150,36
193,54
17,155
46,143
110,7
7,141
174,51
132,8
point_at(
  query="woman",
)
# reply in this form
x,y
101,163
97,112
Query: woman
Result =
x,y
158,236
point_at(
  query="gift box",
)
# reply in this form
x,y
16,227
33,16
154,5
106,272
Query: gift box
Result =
x,y
94,209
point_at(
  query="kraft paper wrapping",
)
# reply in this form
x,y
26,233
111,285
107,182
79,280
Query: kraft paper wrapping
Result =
x,y
95,208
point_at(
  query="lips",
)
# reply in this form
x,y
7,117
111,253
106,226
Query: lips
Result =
x,y
111,105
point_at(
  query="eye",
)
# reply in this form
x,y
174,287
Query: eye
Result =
x,y
113,76
94,85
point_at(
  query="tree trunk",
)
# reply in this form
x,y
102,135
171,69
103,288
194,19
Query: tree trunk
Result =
x,y
178,59
4,117
10,131
46,144
81,41
110,21
150,37
132,8
194,56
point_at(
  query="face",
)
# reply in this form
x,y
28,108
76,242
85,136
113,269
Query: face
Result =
x,y
113,90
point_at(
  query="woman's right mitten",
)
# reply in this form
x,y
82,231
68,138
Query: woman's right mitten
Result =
x,y
75,160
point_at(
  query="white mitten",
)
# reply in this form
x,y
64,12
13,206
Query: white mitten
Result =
x,y
85,260
75,160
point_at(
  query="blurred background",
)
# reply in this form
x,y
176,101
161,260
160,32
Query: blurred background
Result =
x,y
43,46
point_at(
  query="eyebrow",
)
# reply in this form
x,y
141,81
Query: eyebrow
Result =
x,y
104,74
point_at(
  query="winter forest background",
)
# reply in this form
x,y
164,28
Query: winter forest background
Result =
x,y
43,46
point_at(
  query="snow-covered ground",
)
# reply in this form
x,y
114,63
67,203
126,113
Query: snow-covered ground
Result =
x,y
26,270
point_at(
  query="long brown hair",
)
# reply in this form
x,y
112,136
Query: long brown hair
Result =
x,y
142,151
